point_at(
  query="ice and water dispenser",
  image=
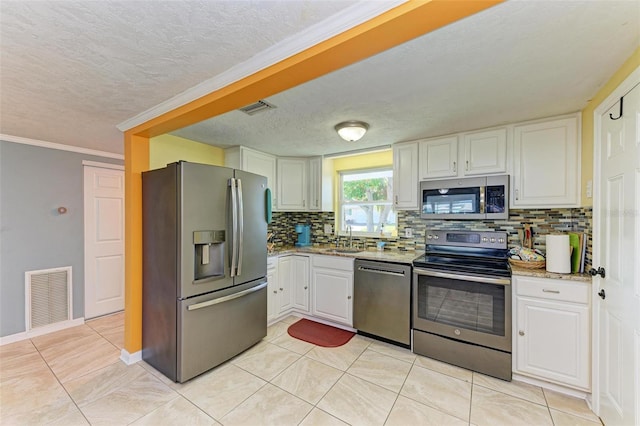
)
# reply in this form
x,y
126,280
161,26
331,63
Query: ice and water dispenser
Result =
x,y
209,254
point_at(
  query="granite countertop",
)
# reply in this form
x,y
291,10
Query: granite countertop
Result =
x,y
397,256
542,273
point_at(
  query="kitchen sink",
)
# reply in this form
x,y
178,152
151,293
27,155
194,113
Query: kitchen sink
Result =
x,y
342,250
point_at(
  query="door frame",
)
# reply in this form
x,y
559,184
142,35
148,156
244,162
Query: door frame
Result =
x,y
622,89
96,164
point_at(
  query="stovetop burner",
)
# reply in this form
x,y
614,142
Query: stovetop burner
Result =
x,y
475,253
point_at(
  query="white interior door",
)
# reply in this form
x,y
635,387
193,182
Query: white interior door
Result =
x,y
104,240
618,240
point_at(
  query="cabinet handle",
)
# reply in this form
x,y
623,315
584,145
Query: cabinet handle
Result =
x,y
517,195
316,202
467,165
396,199
275,291
521,333
304,203
348,297
281,288
545,290
305,287
455,167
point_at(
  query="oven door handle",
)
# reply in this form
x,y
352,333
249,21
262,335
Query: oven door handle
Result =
x,y
486,280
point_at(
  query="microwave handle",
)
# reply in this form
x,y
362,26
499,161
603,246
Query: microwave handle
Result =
x,y
482,199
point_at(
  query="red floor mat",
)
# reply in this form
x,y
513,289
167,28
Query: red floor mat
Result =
x,y
319,334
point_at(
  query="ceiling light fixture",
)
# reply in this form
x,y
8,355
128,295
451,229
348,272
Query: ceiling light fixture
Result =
x,y
352,130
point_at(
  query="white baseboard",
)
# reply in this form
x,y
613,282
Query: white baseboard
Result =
x,y
128,358
12,338
552,386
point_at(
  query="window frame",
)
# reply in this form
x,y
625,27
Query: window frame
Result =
x,y
341,230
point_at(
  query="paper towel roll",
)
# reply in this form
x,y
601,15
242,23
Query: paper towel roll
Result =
x,y
558,254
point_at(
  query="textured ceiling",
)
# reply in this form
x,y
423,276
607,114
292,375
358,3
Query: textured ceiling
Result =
x,y
70,71
516,61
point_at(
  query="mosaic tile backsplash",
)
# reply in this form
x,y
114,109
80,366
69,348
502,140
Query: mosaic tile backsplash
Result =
x,y
542,221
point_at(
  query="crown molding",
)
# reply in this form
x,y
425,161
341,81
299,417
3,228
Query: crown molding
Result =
x,y
350,17
59,146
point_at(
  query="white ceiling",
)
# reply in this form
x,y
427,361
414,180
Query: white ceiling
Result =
x,y
96,64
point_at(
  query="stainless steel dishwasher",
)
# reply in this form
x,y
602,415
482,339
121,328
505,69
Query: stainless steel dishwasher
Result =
x,y
382,300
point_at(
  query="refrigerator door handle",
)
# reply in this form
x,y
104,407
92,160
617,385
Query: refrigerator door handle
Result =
x,y
234,226
225,298
240,226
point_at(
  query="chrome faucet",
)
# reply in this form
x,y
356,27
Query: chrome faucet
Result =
x,y
350,237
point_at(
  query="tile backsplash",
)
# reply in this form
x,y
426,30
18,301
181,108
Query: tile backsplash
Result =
x,y
542,221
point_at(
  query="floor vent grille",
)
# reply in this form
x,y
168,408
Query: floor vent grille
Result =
x,y
48,296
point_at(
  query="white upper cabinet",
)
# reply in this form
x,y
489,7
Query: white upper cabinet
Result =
x,y
438,158
546,164
485,152
304,184
405,176
292,184
250,160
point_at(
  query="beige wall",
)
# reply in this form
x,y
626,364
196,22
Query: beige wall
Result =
x,y
167,149
587,119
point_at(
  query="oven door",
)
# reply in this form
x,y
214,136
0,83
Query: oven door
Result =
x,y
464,307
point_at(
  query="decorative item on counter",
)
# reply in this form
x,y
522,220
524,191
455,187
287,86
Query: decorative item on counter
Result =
x,y
380,245
528,258
558,254
270,245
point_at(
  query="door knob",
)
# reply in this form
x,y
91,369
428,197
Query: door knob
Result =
x,y
600,271
602,294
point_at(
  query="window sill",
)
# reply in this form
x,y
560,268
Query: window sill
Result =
x,y
368,235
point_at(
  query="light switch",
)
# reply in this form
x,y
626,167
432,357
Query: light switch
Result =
x,y
408,232
589,188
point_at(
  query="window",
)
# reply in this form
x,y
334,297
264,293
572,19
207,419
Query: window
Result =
x,y
366,201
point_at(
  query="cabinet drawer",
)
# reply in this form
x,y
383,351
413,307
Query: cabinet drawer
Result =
x,y
568,291
333,262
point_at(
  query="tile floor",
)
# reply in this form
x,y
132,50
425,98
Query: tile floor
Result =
x,y
75,377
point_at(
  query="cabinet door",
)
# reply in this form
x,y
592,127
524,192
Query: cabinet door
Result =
x,y
332,295
300,283
273,301
285,292
485,152
545,166
552,341
260,164
315,184
438,158
405,176
292,184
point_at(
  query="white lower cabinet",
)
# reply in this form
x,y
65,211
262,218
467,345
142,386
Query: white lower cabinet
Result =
x,y
273,308
552,333
293,283
332,289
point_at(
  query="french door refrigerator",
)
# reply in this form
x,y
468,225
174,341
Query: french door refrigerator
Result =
x,y
204,266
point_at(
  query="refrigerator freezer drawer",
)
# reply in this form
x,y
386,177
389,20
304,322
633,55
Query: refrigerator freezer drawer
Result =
x,y
213,329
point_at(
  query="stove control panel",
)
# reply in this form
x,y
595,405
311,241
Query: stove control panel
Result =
x,y
483,239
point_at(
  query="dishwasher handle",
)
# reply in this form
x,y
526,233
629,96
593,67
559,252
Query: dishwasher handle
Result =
x,y
381,271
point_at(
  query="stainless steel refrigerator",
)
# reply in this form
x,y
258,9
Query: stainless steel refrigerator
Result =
x,y
204,266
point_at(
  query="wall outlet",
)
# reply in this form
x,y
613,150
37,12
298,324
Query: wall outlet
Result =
x,y
328,229
408,232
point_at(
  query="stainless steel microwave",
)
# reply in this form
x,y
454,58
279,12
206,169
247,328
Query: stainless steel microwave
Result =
x,y
465,198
